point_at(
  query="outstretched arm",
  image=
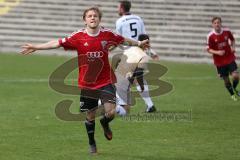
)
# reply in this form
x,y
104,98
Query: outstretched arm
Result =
x,y
129,42
30,48
150,52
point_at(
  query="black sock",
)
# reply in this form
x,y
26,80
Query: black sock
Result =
x,y
106,120
229,88
90,126
235,83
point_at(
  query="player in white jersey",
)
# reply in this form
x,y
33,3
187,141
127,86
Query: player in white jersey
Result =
x,y
131,67
131,26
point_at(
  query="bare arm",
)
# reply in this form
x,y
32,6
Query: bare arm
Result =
x,y
150,52
30,48
233,46
141,44
216,52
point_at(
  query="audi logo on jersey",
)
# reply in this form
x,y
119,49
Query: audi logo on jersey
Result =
x,y
93,55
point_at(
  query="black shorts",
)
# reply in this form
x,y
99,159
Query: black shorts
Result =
x,y
224,71
89,98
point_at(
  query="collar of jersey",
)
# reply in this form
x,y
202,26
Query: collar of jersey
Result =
x,y
93,35
128,13
218,33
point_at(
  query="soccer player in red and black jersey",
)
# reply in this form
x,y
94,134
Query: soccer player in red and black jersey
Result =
x,y
96,78
221,44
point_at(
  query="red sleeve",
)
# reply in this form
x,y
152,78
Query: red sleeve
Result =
x,y
119,38
68,43
231,36
210,44
116,39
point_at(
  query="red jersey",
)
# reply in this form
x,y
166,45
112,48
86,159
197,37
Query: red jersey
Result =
x,y
220,41
94,68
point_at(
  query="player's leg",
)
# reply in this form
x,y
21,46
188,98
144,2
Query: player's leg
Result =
x,y
123,95
235,77
228,84
89,105
108,97
90,127
120,110
107,118
146,97
224,74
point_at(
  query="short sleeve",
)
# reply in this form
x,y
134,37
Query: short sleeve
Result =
x,y
69,43
209,42
118,27
115,39
143,27
231,36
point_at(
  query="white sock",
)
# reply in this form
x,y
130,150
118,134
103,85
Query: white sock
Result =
x,y
120,110
145,94
100,103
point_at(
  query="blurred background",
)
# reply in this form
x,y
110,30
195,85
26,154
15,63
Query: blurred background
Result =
x,y
178,28
30,129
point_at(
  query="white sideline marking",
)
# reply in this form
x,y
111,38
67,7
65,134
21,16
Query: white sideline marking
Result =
x,y
44,80
192,78
30,80
23,80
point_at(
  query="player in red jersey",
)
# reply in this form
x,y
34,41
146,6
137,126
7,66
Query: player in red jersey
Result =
x,y
221,44
96,78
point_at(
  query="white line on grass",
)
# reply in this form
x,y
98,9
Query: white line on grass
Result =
x,y
44,80
192,78
29,80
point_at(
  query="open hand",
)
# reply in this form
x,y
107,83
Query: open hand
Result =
x,y
28,49
144,43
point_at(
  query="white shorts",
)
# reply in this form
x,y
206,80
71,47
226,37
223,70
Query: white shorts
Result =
x,y
123,91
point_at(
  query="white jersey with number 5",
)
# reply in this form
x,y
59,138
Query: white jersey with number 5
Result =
x,y
130,26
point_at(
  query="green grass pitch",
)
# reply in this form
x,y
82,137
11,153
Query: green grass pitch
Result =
x,y
30,130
